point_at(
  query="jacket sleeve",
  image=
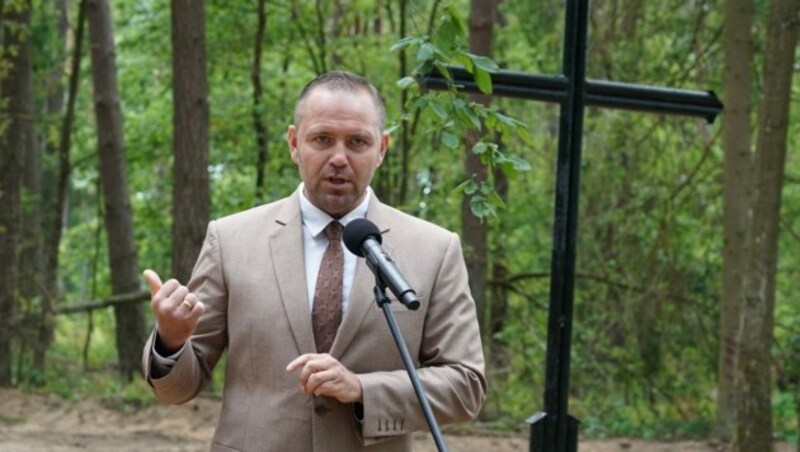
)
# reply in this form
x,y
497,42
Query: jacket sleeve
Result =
x,y
192,370
451,362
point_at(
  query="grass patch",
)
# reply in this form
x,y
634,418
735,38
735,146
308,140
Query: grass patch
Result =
x,y
12,420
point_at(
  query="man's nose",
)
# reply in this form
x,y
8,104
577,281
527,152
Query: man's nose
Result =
x,y
339,156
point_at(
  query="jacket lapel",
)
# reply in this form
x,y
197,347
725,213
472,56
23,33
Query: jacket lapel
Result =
x,y
361,296
286,247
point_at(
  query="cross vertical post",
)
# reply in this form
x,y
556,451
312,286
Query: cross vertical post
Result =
x,y
556,427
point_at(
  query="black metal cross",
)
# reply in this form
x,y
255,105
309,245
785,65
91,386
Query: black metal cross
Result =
x,y
554,429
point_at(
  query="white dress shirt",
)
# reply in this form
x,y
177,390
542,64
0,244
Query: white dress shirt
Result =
x,y
315,243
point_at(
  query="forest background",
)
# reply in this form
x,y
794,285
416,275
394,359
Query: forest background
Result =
x,y
126,126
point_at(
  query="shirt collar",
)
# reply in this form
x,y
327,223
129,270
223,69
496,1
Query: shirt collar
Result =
x,y
316,219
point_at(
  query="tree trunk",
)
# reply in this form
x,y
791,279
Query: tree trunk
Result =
x,y
190,192
392,185
262,143
737,197
130,330
754,361
475,232
321,40
497,358
55,195
30,244
16,139
405,131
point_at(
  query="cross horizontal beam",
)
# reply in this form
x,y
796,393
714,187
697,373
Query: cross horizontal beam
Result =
x,y
704,104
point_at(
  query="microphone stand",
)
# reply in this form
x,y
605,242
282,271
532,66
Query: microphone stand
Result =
x,y
383,302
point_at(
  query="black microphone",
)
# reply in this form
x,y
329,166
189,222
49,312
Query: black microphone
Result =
x,y
363,239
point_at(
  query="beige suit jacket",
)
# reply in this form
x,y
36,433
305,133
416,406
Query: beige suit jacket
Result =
x,y
250,276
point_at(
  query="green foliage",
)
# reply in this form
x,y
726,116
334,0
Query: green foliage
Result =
x,y
454,116
784,409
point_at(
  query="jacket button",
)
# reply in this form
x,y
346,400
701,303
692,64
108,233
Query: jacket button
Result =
x,y
321,410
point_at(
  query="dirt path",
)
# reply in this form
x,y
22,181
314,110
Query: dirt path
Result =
x,y
34,423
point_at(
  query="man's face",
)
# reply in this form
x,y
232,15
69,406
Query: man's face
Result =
x,y
337,147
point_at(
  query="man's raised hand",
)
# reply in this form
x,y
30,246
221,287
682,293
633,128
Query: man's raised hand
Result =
x,y
177,311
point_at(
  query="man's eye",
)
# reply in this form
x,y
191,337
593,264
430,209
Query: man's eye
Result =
x,y
322,139
358,142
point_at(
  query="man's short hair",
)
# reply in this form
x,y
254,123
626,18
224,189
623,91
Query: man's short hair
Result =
x,y
341,81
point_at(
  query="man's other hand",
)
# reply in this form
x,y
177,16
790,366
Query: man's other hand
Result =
x,y
323,375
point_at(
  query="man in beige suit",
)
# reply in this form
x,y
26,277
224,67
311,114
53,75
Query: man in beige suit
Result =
x,y
253,292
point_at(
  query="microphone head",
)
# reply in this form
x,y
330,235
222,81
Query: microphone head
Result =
x,y
357,231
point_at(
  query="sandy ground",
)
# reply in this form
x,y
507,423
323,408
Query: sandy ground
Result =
x,y
36,423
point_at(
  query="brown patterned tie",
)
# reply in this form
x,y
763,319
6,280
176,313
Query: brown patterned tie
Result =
x,y
327,312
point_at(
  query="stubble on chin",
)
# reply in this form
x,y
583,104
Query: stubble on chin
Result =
x,y
338,206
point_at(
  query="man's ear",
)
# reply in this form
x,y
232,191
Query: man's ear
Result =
x,y
385,140
291,140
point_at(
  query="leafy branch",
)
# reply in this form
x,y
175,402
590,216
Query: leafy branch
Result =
x,y
455,116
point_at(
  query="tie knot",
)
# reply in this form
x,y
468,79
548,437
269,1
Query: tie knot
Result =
x,y
333,231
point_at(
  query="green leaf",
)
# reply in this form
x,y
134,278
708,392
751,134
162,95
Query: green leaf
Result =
x,y
449,139
421,102
426,52
517,163
453,16
479,148
486,187
438,110
448,34
507,120
443,70
467,115
485,63
470,187
522,133
481,208
496,201
393,127
463,58
467,187
483,80
423,68
405,82
490,122
405,42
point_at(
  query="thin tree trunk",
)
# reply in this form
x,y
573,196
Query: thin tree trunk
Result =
x,y
405,137
475,232
56,190
30,245
322,42
130,326
262,145
335,32
754,361
497,351
16,138
31,240
190,192
737,197
392,185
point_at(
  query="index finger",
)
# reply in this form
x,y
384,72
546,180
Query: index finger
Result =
x,y
299,362
153,281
